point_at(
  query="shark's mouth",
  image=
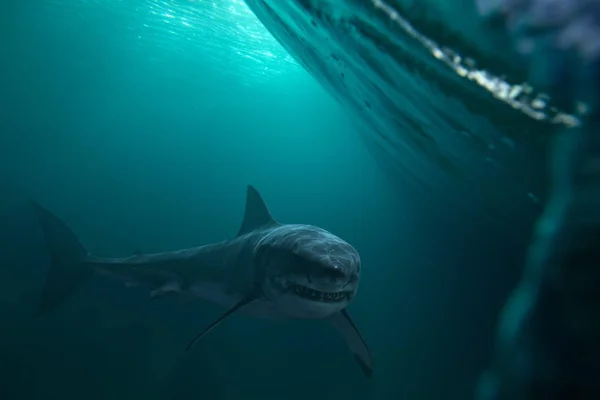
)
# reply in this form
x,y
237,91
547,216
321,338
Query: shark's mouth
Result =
x,y
316,295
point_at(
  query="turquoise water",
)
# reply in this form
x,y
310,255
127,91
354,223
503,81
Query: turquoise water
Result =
x,y
140,123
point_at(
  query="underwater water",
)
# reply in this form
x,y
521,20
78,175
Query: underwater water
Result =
x,y
140,123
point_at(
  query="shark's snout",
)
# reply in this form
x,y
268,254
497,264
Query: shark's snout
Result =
x,y
332,274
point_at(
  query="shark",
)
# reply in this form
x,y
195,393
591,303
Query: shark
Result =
x,y
268,270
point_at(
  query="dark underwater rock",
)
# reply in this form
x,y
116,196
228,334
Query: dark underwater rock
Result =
x,y
434,116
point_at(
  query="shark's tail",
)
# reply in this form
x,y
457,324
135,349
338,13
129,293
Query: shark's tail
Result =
x,y
67,254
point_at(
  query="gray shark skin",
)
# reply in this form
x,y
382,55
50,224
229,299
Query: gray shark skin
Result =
x,y
269,270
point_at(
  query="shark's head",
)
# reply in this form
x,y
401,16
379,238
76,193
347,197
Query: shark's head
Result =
x,y
303,270
307,271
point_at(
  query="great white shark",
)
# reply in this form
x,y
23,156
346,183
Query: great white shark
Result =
x,y
268,270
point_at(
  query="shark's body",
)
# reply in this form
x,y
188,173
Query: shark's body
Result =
x,y
222,273
268,270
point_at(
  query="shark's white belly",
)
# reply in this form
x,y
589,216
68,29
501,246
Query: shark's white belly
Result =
x,y
210,291
215,293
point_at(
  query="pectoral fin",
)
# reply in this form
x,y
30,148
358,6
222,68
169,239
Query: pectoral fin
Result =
x,y
347,328
242,303
165,289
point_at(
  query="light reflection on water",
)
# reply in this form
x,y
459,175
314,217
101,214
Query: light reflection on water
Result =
x,y
217,33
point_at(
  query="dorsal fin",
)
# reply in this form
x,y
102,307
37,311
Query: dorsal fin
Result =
x,y
257,213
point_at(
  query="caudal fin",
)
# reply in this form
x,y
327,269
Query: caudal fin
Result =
x,y
67,254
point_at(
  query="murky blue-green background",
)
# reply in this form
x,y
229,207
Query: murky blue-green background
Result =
x,y
140,123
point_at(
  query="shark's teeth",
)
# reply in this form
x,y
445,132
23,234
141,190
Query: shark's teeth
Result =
x,y
312,294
